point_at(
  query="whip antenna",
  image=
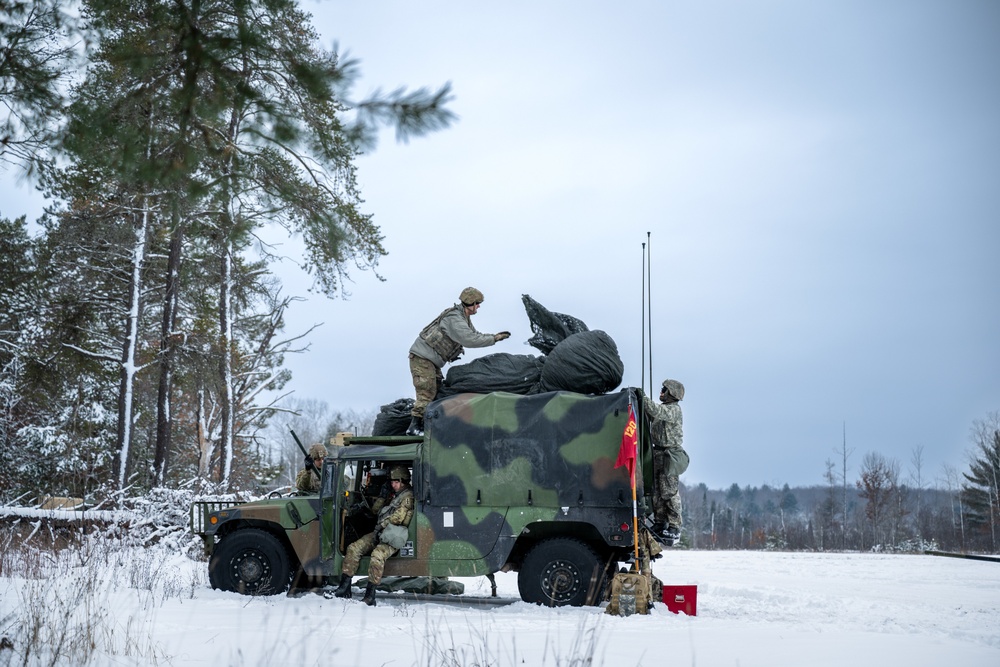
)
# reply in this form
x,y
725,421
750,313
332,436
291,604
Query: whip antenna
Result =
x,y
642,327
649,295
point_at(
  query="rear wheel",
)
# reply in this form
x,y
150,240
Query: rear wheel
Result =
x,y
562,571
251,562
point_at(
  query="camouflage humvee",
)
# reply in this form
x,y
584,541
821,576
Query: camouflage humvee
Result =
x,y
501,481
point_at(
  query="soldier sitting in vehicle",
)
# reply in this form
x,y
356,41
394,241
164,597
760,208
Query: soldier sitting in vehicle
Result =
x,y
307,481
391,532
374,495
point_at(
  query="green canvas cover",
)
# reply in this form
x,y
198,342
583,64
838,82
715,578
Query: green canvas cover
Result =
x,y
556,450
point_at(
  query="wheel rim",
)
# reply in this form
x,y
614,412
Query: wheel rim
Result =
x,y
251,568
561,580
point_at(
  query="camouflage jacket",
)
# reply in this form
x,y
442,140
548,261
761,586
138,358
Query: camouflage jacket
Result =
x,y
444,339
666,423
399,511
307,481
666,426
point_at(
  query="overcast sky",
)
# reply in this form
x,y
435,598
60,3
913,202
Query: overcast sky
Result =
x,y
821,182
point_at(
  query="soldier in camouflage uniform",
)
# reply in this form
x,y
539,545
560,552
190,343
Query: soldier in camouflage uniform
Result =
x,y
441,342
391,533
307,481
669,460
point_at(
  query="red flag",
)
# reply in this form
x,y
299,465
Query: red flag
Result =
x,y
626,455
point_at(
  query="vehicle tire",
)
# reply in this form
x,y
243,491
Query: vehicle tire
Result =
x,y
251,562
562,571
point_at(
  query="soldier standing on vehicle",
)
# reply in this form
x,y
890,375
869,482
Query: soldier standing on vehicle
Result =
x,y
391,532
441,342
666,425
307,481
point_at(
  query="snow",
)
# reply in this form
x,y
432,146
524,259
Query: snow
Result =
x,y
754,608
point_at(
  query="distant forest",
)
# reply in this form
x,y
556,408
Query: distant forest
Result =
x,y
893,518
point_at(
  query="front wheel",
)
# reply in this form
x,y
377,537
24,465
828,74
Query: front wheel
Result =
x,y
251,562
562,571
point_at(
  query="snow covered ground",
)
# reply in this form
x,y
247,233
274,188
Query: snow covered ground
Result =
x,y
754,608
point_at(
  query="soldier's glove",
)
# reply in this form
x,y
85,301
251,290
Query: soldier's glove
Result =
x,y
310,464
503,335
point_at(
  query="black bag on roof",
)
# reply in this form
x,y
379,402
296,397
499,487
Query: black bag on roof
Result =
x,y
586,362
394,418
514,373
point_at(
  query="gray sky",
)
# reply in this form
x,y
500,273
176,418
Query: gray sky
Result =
x,y
820,181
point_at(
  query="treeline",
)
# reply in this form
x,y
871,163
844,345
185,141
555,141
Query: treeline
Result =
x,y
876,510
141,327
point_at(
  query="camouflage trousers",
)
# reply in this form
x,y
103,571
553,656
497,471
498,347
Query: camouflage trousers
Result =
x,y
666,490
427,379
649,549
368,544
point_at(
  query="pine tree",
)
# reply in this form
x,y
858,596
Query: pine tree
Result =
x,y
33,63
200,122
17,265
981,495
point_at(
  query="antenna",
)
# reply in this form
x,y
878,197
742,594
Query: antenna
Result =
x,y
642,328
649,296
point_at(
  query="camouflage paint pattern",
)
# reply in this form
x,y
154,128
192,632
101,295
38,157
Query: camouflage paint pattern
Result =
x,y
493,474
296,520
498,468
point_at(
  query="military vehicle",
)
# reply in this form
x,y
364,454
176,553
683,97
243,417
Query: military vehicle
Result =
x,y
502,482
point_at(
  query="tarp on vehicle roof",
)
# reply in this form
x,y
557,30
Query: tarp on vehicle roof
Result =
x,y
586,362
515,373
545,450
393,418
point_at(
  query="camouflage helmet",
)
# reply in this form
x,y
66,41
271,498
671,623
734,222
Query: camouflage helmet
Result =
x,y
401,473
317,451
470,296
674,389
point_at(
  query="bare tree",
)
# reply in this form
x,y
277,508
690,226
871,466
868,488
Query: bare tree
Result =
x,y
876,486
916,477
844,455
954,488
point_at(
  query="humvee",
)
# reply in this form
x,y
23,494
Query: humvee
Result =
x,y
502,482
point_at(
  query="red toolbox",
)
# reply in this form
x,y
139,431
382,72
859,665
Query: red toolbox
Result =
x,y
681,598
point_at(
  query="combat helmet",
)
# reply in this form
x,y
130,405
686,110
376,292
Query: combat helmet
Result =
x,y
318,451
470,296
400,473
674,389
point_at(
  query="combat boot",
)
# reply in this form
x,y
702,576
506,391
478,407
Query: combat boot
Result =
x,y
416,426
344,589
369,598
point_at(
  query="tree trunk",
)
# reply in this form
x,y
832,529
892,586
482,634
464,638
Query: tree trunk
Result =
x,y
128,364
167,350
226,363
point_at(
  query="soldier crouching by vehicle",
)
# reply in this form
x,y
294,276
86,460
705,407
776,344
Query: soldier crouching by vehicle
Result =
x,y
391,532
